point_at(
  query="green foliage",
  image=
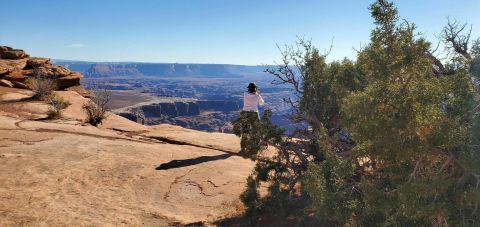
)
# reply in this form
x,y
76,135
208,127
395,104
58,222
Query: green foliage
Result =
x,y
250,196
276,202
417,131
415,163
475,69
325,85
331,198
255,133
321,90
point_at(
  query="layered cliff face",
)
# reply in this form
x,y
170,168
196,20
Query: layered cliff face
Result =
x,y
174,109
160,110
201,115
105,70
205,115
17,68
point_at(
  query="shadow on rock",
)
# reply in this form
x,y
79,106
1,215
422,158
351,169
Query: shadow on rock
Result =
x,y
192,161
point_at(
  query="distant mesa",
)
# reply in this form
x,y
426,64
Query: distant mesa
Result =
x,y
128,69
99,70
17,68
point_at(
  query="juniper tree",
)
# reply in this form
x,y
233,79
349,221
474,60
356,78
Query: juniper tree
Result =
x,y
415,121
318,88
417,156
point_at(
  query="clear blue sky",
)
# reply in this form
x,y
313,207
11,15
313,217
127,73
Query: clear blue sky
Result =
x,y
205,31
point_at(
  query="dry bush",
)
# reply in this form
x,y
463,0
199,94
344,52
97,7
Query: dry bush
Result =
x,y
96,108
56,106
42,86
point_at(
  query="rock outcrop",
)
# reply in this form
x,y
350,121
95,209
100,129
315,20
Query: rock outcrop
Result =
x,y
18,68
10,53
38,62
65,173
6,83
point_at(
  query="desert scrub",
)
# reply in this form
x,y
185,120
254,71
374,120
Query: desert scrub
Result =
x,y
96,108
41,85
56,105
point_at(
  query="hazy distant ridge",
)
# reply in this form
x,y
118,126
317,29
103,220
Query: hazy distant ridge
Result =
x,y
107,69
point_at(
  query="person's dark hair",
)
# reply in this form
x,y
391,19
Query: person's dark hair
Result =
x,y
252,87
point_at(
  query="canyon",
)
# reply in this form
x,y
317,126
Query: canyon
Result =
x,y
195,114
204,97
66,172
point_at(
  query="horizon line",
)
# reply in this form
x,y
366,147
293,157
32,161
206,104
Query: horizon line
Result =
x,y
147,62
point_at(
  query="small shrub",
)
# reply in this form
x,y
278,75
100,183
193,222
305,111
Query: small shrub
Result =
x,y
42,86
96,108
56,106
54,113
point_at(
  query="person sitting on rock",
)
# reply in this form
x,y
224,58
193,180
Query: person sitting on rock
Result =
x,y
249,120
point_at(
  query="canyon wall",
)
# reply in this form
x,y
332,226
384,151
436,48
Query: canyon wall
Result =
x,y
208,115
115,69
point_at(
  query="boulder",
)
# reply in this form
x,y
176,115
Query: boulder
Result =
x,y
37,62
19,85
73,79
13,54
18,75
61,71
15,76
3,70
7,66
53,71
5,83
16,67
42,71
5,48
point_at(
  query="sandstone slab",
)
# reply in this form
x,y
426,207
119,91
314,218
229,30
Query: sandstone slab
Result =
x,y
5,83
13,54
72,79
19,85
18,75
80,90
62,173
52,71
5,48
36,62
12,65
3,70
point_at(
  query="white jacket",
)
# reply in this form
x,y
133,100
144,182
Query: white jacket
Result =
x,y
251,101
